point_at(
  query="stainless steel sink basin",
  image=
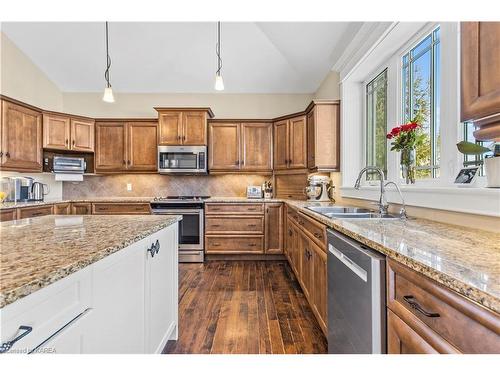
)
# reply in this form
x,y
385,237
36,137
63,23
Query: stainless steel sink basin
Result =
x,y
338,212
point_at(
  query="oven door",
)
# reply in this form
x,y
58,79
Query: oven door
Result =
x,y
180,159
190,228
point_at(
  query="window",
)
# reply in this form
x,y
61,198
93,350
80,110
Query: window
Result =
x,y
470,160
376,124
421,93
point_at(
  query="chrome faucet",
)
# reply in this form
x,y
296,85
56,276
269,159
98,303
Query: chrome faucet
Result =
x,y
402,211
382,202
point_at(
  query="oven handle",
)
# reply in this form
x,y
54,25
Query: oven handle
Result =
x,y
168,211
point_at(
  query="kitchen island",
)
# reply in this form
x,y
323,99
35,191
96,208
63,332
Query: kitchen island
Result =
x,y
89,284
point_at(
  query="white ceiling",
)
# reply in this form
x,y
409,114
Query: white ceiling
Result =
x,y
269,57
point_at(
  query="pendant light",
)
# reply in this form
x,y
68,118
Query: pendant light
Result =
x,y
219,83
108,91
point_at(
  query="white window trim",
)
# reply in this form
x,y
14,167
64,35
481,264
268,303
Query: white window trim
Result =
x,y
438,193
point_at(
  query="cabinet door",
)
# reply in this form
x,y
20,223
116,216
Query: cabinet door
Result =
x,y
111,147
224,146
142,149
401,339
297,145
288,239
161,284
296,252
82,135
10,214
274,228
118,317
170,128
480,55
56,132
319,288
306,264
256,146
81,208
311,149
281,144
194,128
21,138
62,209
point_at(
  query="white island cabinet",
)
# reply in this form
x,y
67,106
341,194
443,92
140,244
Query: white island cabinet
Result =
x,y
126,302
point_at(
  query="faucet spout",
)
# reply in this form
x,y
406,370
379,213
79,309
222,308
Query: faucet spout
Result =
x,y
382,203
402,212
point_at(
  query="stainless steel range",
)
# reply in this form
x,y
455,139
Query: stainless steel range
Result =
x,y
191,227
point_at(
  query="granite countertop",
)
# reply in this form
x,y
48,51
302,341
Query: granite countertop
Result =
x,y
39,251
466,260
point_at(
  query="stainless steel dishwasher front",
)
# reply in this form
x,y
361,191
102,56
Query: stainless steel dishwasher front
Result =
x,y
356,297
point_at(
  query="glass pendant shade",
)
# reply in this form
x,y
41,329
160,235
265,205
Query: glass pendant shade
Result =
x,y
108,95
219,83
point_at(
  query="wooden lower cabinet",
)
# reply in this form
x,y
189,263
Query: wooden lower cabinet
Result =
x,y
81,208
274,228
7,215
234,244
308,259
28,212
62,209
121,208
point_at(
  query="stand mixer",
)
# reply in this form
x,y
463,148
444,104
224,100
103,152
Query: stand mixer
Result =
x,y
319,189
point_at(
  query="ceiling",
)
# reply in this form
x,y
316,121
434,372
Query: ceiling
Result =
x,y
179,57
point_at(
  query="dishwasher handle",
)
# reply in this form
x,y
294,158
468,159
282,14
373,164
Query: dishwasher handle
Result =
x,y
359,271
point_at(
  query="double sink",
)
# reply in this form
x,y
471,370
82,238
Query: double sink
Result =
x,y
339,212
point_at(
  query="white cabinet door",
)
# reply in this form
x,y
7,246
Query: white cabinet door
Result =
x,y
116,324
161,290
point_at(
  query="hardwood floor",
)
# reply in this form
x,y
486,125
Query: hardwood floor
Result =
x,y
244,307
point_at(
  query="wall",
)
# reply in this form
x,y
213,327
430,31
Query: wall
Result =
x,y
329,88
256,106
22,80
150,185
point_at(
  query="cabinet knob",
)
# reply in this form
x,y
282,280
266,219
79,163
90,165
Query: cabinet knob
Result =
x,y
128,162
66,142
1,154
124,162
7,154
237,162
73,142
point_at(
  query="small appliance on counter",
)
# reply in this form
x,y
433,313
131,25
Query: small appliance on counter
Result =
x,y
39,191
254,192
319,189
20,189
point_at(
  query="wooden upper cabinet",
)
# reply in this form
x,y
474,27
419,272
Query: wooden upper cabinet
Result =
x,y
21,138
82,135
56,132
256,146
169,128
62,132
111,146
281,144
480,77
183,126
323,136
224,146
194,128
297,154
142,151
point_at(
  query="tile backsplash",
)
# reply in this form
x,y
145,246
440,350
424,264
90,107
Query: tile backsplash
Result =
x,y
150,185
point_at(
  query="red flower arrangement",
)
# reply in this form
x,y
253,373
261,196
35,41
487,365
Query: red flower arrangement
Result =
x,y
406,136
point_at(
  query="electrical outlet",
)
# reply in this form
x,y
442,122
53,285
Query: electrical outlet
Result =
x,y
129,187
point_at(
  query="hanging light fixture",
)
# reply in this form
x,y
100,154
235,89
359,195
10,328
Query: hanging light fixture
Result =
x,y
219,83
108,91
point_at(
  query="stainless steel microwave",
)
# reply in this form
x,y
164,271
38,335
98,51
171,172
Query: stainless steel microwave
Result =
x,y
182,159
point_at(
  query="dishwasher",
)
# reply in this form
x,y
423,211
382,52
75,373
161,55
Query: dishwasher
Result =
x,y
356,297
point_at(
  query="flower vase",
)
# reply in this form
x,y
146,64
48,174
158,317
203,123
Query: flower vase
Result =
x,y
408,165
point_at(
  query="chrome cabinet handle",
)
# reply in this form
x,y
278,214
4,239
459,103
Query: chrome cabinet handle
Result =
x,y
6,346
157,246
252,225
151,250
410,300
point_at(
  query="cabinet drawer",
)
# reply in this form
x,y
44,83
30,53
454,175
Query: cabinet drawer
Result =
x,y
62,209
422,303
234,244
24,213
234,208
234,224
315,230
120,208
9,214
46,311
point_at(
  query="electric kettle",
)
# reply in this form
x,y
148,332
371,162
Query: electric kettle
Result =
x,y
39,190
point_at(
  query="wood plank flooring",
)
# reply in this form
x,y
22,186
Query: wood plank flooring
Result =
x,y
244,307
